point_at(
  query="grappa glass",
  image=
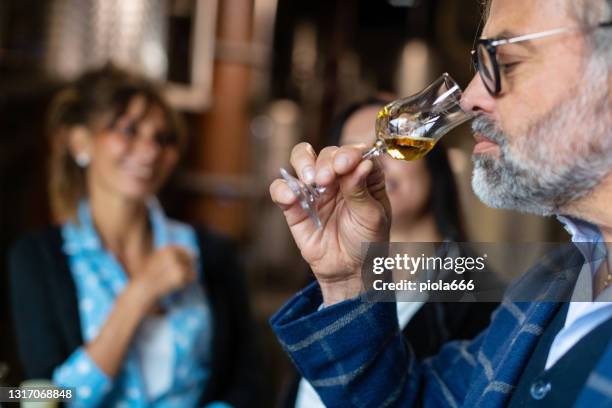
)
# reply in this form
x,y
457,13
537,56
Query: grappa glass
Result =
x,y
406,129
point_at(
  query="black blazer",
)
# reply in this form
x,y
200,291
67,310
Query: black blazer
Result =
x,y
48,329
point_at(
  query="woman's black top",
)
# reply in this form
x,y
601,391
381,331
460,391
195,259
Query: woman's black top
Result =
x,y
47,324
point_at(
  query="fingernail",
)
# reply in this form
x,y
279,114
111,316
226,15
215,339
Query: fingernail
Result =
x,y
325,173
308,174
341,161
289,195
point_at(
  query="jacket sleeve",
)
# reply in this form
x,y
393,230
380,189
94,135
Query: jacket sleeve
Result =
x,y
43,352
37,331
354,355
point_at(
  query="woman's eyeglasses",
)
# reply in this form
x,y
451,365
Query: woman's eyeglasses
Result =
x,y
484,55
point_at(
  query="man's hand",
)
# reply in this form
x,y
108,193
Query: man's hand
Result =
x,y
353,209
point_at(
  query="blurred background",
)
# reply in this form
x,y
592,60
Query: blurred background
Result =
x,y
253,78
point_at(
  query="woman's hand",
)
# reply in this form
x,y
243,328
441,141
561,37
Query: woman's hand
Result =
x,y
167,270
354,209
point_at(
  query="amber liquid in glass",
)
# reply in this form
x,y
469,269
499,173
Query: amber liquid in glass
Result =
x,y
409,144
408,148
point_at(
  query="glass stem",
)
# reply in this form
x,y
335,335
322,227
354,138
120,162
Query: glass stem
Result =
x,y
375,151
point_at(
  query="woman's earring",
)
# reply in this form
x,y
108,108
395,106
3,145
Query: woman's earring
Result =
x,y
82,160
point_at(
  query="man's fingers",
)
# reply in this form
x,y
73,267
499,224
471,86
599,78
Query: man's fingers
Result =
x,y
376,177
357,194
281,194
376,185
354,186
287,201
303,160
325,166
347,158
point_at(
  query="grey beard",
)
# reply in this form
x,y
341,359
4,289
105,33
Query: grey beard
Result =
x,y
557,161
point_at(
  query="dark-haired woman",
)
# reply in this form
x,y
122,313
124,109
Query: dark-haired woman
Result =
x,y
119,302
424,207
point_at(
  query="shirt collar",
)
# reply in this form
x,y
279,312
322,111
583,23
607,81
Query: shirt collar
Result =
x,y
83,235
587,237
580,230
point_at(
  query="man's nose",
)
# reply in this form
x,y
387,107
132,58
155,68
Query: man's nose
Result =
x,y
476,99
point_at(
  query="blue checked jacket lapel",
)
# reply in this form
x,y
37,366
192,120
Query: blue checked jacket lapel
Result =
x,y
508,346
506,350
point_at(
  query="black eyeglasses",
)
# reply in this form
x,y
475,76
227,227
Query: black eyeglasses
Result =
x,y
484,55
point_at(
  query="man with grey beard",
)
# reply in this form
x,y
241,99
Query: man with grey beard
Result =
x,y
542,99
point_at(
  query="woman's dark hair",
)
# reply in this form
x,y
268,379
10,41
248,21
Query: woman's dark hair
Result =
x,y
95,100
443,198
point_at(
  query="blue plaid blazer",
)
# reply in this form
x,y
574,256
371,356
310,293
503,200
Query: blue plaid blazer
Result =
x,y
355,356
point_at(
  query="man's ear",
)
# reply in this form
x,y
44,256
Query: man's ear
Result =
x,y
79,144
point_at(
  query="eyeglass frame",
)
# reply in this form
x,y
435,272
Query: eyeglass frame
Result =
x,y
491,45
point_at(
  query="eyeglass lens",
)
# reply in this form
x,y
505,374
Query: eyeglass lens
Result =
x,y
486,68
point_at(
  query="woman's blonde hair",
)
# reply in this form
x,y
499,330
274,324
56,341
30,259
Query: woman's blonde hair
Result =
x,y
95,100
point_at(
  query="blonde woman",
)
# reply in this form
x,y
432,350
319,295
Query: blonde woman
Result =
x,y
120,302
